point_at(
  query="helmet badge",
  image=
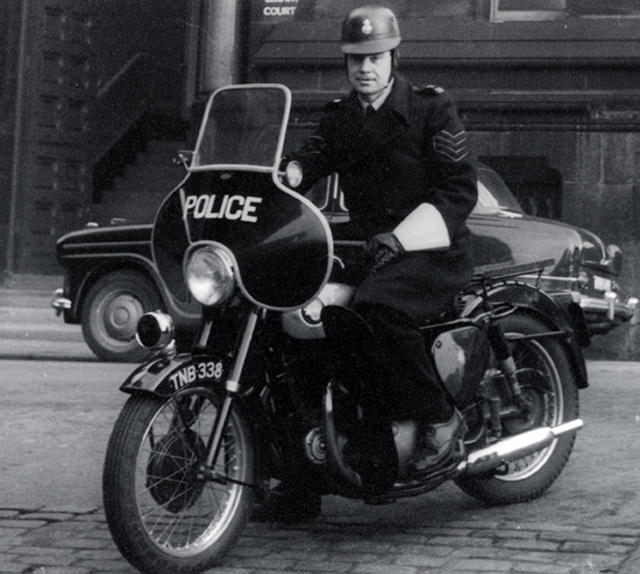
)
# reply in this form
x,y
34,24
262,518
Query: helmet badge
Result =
x,y
367,28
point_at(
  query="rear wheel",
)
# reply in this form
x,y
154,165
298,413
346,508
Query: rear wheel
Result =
x,y
163,514
547,379
111,311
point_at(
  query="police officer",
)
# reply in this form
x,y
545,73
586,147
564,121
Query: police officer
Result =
x,y
402,158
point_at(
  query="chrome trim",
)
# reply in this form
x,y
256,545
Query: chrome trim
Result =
x,y
164,330
558,278
93,245
612,306
515,447
59,302
632,303
610,299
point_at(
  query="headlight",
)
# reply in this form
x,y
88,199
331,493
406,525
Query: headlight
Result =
x,y
208,271
293,173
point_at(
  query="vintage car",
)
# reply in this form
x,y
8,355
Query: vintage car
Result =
x,y
110,279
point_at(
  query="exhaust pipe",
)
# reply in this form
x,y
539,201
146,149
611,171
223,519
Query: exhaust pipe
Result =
x,y
515,447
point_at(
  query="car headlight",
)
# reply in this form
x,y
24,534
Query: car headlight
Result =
x,y
208,271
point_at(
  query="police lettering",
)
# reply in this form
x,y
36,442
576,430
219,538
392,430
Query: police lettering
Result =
x,y
231,207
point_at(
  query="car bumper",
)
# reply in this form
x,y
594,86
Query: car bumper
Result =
x,y
604,313
59,302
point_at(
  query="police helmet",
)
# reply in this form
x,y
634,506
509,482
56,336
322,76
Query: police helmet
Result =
x,y
370,30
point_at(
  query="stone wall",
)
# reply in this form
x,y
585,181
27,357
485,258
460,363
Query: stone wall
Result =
x,y
600,192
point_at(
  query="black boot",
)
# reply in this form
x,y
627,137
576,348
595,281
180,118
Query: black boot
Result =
x,y
437,443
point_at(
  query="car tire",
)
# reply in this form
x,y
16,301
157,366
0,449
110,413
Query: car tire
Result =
x,y
111,311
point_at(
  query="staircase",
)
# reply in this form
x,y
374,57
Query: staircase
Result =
x,y
137,131
138,187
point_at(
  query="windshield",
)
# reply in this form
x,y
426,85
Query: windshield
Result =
x,y
493,194
243,126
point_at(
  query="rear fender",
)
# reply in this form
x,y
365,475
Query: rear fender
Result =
x,y
563,316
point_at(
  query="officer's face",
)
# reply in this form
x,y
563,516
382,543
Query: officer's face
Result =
x,y
369,74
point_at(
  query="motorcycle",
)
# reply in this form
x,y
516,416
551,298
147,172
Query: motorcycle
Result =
x,y
277,385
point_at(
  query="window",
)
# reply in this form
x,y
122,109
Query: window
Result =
x,y
600,9
527,10
534,10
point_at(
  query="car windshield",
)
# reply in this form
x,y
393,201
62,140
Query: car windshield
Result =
x,y
493,194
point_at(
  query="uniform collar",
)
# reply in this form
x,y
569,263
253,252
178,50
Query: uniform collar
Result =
x,y
398,98
381,99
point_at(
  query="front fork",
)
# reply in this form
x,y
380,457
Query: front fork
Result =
x,y
232,385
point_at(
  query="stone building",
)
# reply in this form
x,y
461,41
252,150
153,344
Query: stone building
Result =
x,y
97,95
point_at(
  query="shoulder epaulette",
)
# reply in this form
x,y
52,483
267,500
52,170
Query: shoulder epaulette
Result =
x,y
430,89
335,103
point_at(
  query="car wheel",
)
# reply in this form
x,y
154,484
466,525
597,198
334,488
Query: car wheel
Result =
x,y
111,311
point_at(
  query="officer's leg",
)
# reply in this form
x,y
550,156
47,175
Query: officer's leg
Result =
x,y
414,389
410,386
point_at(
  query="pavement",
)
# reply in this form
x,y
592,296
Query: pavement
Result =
x,y
29,327
405,538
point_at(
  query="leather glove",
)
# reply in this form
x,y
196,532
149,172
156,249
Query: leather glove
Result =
x,y
384,248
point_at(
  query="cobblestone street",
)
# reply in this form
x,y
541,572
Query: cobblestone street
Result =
x,y
59,406
76,541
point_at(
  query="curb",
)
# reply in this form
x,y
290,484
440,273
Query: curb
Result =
x,y
45,350
30,328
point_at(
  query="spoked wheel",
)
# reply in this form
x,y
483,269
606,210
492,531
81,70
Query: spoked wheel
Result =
x,y
545,373
164,513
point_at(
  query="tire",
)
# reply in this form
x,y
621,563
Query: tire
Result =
x,y
529,477
163,518
111,311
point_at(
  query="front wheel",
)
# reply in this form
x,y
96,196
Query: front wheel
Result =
x,y
548,383
163,514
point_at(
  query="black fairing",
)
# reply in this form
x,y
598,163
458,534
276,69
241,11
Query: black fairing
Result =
x,y
281,245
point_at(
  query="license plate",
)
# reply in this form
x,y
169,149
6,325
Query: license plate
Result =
x,y
601,284
197,372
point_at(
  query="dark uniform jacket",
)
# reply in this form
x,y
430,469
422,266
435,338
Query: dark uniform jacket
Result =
x,y
412,150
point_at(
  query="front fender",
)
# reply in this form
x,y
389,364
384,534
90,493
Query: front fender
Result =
x,y
163,376
563,315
